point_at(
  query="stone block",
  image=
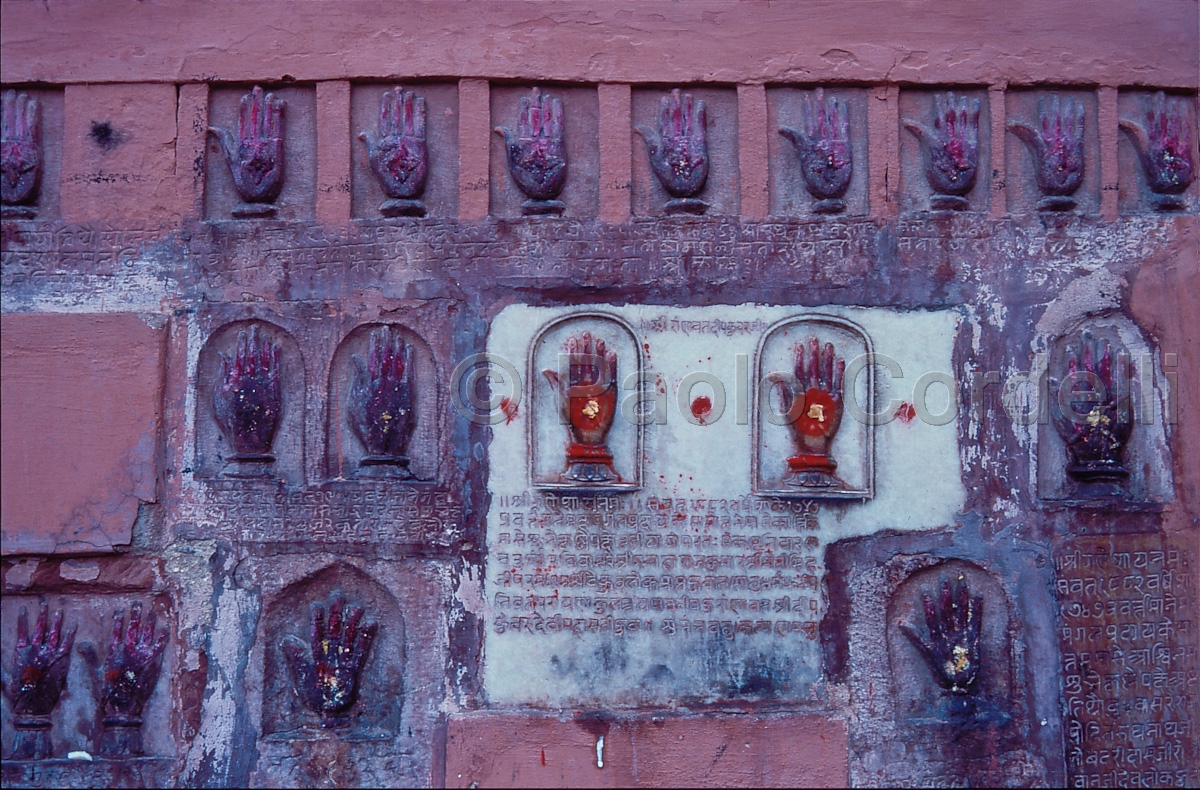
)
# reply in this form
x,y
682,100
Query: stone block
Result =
x,y
82,398
118,154
518,750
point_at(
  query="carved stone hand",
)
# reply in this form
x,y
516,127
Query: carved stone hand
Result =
x,y
1094,416
256,156
950,148
247,399
537,158
327,672
380,407
1164,146
813,407
1058,150
678,151
824,148
39,676
952,649
588,399
399,155
20,153
128,678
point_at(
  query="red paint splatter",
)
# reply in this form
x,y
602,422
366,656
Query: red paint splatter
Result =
x,y
905,412
701,408
509,408
543,756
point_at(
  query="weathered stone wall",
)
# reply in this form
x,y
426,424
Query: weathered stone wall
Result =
x,y
688,604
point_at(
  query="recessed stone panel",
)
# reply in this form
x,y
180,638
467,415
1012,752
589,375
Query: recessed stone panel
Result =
x,y
272,361
1141,403
946,165
561,422
440,195
78,720
355,365
721,189
46,137
829,451
786,107
386,737
1169,124
1049,148
580,192
297,198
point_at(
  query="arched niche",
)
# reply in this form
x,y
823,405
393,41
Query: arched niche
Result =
x,y
345,452
557,457
215,456
377,713
782,465
919,697
1146,456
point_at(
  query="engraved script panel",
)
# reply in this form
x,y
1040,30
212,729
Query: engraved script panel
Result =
x,y
1129,653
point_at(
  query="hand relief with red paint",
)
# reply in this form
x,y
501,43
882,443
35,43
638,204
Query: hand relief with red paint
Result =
x,y
813,409
588,399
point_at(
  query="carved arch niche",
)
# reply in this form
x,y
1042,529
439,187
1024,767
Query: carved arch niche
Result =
x,y
567,449
795,454
920,697
1144,458
216,455
360,391
376,715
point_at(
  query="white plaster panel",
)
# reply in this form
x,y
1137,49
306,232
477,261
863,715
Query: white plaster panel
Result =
x,y
580,604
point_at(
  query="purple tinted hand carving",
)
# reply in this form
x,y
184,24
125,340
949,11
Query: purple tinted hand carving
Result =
x,y
952,649
1094,416
327,672
20,154
678,151
256,156
128,679
537,158
247,399
1164,146
950,149
813,405
1057,148
824,148
587,396
380,407
39,676
399,156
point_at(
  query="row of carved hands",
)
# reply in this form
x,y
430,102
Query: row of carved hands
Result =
x,y
42,659
677,149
